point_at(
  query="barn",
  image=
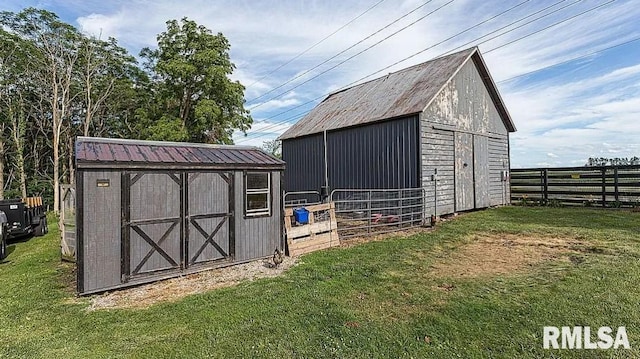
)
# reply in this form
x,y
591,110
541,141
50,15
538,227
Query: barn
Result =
x,y
149,210
440,126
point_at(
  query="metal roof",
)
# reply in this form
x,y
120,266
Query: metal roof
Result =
x,y
397,94
117,153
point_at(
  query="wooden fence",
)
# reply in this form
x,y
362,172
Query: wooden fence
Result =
x,y
609,186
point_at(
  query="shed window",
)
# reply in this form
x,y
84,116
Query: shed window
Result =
x,y
257,191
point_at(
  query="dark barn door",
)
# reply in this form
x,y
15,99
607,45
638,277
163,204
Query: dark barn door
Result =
x,y
209,217
152,227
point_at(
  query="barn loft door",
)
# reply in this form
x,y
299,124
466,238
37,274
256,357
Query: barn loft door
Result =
x,y
152,231
464,184
481,166
209,216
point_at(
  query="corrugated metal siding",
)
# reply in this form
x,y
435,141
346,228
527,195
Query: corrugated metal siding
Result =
x,y
379,155
305,163
257,237
101,230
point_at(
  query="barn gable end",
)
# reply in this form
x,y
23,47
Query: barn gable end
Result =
x,y
464,116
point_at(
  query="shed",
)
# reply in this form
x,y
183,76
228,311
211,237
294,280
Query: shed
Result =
x,y
443,116
150,210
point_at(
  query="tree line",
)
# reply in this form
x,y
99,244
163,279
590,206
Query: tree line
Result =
x,y
57,83
617,161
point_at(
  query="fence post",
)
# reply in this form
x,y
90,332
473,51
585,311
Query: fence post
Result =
x,y
615,183
545,181
369,213
604,187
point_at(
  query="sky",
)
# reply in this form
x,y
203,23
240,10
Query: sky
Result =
x,y
568,70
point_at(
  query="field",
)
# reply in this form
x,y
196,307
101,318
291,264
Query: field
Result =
x,y
482,285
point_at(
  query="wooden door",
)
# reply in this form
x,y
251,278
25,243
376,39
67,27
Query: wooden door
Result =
x,y
152,231
209,217
464,171
481,171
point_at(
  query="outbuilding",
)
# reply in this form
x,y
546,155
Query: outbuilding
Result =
x,y
148,210
440,126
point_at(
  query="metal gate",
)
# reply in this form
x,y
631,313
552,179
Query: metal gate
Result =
x,y
174,220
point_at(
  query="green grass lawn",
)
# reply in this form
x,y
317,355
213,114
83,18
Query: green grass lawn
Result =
x,y
377,299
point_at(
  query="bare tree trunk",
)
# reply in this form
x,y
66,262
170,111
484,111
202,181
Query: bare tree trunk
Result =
x,y
72,172
1,170
18,124
56,172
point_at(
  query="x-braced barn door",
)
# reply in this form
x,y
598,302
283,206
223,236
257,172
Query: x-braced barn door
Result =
x,y
209,216
175,220
152,223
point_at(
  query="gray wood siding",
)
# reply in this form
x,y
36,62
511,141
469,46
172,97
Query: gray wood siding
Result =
x,y
257,237
481,171
438,152
101,230
464,171
499,191
464,106
208,194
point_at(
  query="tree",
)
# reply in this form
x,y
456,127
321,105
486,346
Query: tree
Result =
x,y
273,147
52,65
601,161
102,65
194,99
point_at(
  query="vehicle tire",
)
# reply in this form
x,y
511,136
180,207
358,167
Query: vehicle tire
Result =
x,y
3,248
39,230
46,225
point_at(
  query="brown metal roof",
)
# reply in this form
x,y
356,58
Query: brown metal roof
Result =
x,y
397,94
116,153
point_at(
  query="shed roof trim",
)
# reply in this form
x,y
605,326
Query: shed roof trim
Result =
x,y
398,94
92,151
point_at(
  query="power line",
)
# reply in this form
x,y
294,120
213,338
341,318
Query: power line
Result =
x,y
317,43
407,58
439,43
466,44
569,61
506,44
515,28
341,52
356,54
550,26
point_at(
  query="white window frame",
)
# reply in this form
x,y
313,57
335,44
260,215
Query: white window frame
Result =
x,y
266,191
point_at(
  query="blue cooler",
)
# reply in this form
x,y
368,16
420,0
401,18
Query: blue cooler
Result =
x,y
301,215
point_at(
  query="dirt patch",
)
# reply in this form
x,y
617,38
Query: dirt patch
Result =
x,y
487,255
176,288
408,232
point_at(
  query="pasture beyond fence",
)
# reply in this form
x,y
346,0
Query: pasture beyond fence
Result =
x,y
608,186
